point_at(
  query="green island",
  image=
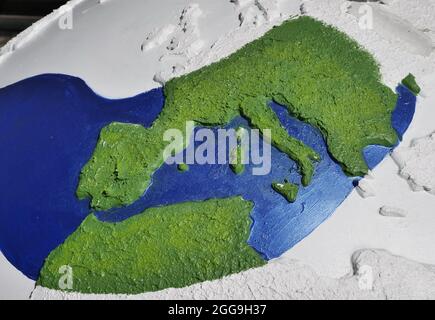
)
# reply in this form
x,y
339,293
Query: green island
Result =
x,y
182,167
411,84
238,154
238,167
319,74
288,190
164,247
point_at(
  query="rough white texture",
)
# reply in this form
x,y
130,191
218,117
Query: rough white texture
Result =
x,y
376,275
365,188
187,50
390,26
27,35
183,46
399,45
417,163
157,37
125,57
394,212
109,47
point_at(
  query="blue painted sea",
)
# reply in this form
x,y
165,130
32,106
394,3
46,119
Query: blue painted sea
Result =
x,y
49,126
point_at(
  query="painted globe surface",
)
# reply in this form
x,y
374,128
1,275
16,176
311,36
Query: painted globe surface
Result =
x,y
80,187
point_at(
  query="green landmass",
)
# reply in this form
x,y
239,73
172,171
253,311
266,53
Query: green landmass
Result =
x,y
238,167
182,167
288,190
164,247
320,75
323,78
411,84
238,154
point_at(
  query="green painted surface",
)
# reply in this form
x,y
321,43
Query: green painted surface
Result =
x,y
317,72
172,246
182,167
238,167
411,84
237,156
288,190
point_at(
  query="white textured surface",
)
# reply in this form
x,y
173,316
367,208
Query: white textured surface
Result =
x,y
417,163
365,188
376,275
115,57
156,40
392,212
